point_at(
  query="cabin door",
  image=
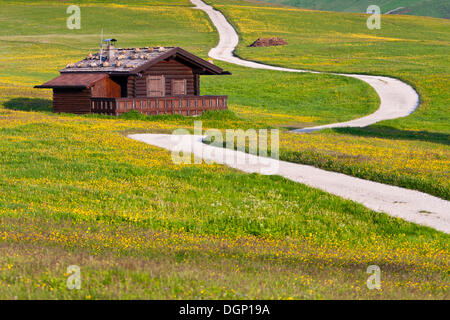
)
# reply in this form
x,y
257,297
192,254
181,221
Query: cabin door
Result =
x,y
156,86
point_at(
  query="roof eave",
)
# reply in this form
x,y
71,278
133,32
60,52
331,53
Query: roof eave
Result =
x,y
207,66
223,73
43,86
215,70
105,72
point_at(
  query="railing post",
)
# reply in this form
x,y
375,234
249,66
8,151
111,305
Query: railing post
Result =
x,y
198,103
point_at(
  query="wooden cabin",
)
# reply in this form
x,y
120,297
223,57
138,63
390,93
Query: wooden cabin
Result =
x,y
152,81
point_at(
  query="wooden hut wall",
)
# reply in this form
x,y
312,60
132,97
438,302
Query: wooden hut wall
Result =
x,y
106,88
131,87
72,100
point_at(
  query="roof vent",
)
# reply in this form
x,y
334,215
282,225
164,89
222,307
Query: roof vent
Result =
x,y
110,41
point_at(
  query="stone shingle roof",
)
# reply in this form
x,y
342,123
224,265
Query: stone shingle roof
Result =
x,y
125,60
134,60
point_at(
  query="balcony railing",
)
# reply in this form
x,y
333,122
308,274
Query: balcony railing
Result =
x,y
185,105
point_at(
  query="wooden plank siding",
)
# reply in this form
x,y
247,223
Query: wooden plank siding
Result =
x,y
106,88
171,70
72,100
130,86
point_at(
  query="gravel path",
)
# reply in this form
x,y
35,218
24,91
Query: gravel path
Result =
x,y
397,100
411,205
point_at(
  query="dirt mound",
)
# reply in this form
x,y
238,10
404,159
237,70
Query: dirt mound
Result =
x,y
268,42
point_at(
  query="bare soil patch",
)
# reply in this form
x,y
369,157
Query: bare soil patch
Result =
x,y
269,42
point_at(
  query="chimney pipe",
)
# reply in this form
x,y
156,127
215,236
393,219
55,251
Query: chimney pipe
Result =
x,y
110,49
110,52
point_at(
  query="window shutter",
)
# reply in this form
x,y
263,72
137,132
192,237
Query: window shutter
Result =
x,y
156,86
179,87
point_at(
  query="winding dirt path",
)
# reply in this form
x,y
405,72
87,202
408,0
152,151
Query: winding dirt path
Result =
x,y
398,99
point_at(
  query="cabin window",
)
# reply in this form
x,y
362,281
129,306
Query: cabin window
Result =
x,y
156,86
179,87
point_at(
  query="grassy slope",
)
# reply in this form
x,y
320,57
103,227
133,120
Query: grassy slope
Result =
x,y
412,152
292,100
75,190
335,42
22,54
431,8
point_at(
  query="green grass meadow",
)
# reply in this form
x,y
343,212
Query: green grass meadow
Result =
x,y
74,190
433,8
411,152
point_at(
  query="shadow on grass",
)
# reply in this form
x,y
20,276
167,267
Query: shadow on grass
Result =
x,y
29,104
385,132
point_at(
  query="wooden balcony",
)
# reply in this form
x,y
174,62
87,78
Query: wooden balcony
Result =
x,y
185,105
